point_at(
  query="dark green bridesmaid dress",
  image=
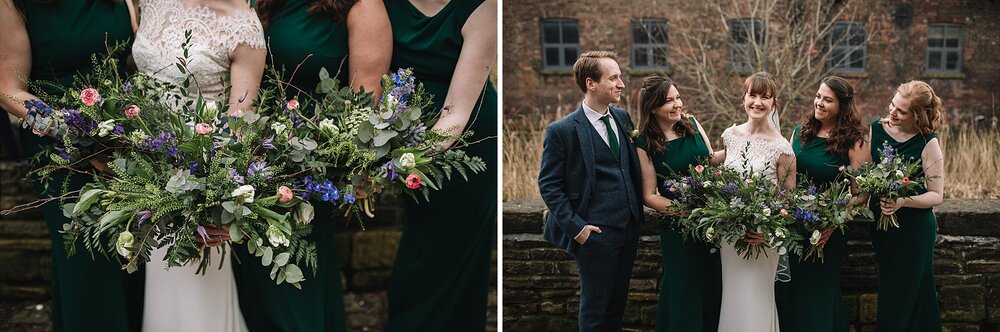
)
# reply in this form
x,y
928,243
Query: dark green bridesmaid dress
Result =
x,y
442,271
907,295
812,300
691,285
293,36
63,37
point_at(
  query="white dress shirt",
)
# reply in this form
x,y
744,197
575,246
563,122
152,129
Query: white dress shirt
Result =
x,y
595,120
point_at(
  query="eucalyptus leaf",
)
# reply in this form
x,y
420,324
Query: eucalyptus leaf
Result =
x,y
383,137
293,274
235,235
268,255
281,259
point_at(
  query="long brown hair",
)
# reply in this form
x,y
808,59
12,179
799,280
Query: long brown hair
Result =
x,y
849,130
337,8
654,94
924,103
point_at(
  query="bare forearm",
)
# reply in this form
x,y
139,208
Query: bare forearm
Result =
x,y
923,201
656,202
13,102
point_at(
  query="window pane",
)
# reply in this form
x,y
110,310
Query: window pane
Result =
x,y
934,60
858,60
660,58
857,36
659,32
935,31
551,57
951,63
953,32
936,42
550,32
838,58
951,43
738,31
639,34
641,58
571,33
570,54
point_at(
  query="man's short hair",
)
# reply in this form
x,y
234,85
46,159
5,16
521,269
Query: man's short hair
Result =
x,y
588,65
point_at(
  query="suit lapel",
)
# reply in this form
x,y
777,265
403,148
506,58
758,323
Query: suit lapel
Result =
x,y
583,131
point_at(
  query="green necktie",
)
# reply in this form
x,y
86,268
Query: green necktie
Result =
x,y
612,138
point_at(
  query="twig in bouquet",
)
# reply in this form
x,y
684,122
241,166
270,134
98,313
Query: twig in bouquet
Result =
x,y
40,202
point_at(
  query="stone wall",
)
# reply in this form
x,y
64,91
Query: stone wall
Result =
x,y
366,259
541,288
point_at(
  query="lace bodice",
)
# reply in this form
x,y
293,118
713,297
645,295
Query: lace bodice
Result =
x,y
761,156
214,36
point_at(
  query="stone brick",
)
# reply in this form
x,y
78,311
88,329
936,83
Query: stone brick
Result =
x,y
519,296
370,280
868,308
21,266
957,327
959,279
559,293
555,282
851,302
963,303
530,268
643,296
374,249
553,308
24,229
639,285
983,266
518,309
947,266
549,254
523,217
993,299
515,283
982,252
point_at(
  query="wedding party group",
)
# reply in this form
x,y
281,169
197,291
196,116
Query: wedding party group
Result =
x,y
751,233
195,157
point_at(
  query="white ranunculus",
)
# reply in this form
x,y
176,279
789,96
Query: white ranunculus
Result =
x,y
212,108
305,213
125,240
766,211
105,128
246,191
328,126
899,174
814,239
276,237
278,127
407,160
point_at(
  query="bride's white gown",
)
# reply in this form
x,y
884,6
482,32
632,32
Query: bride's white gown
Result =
x,y
179,299
748,285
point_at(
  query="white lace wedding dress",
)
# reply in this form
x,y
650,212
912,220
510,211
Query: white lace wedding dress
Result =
x,y
180,299
748,285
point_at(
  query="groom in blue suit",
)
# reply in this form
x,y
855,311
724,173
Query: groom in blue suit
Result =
x,y
590,182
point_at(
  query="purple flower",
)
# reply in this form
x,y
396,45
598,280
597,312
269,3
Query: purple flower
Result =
x,y
330,192
203,233
172,150
269,144
894,185
236,176
162,139
348,198
127,87
76,120
730,188
35,106
258,167
805,216
194,166
142,216
118,131
388,171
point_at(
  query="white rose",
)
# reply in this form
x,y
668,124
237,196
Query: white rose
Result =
x,y
766,211
328,126
899,174
276,237
278,127
105,128
407,160
814,239
246,191
211,107
305,213
125,240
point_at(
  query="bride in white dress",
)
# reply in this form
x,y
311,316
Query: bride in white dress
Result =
x,y
227,39
748,284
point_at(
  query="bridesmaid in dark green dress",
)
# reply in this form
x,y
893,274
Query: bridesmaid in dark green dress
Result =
x,y
54,42
353,42
907,295
691,286
830,137
442,270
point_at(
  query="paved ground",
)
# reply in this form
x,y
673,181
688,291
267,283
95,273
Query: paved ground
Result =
x,y
24,316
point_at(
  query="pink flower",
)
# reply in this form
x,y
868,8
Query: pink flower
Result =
x,y
285,193
718,173
413,181
841,168
906,181
202,128
89,96
131,111
783,213
699,168
292,104
748,181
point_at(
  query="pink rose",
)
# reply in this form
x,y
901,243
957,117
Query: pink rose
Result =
x,y
748,181
202,128
285,193
292,104
131,111
906,181
699,168
89,96
413,181
783,213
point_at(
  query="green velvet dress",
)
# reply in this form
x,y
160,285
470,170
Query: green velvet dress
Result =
x,y
907,295
441,276
63,38
812,300
293,36
691,285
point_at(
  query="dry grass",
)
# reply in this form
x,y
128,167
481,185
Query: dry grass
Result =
x,y
972,159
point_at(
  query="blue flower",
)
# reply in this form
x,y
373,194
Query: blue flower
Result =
x,y
194,166
330,192
348,198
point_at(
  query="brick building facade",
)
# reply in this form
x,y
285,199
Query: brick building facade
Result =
x,y
898,52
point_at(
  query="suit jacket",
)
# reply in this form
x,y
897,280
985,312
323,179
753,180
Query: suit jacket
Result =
x,y
567,178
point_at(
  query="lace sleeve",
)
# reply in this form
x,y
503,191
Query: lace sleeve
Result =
x,y
244,28
785,148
